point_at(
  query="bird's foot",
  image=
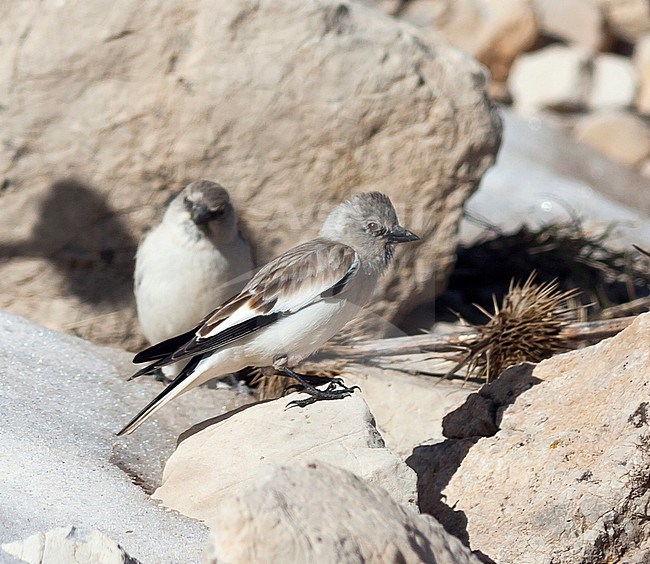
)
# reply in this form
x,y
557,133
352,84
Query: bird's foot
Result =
x,y
332,392
336,389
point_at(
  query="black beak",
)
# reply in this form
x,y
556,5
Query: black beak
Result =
x,y
400,235
200,214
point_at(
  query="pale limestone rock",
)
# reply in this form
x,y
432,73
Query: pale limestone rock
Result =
x,y
642,63
621,136
565,479
231,454
292,105
314,512
544,176
556,77
614,83
575,21
408,409
69,545
627,19
494,31
62,400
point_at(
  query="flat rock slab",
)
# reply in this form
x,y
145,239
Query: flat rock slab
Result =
x,y
61,402
313,512
224,459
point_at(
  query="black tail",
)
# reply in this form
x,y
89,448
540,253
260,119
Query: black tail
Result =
x,y
164,348
162,398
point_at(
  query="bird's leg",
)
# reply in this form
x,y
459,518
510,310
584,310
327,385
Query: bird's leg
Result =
x,y
159,376
330,393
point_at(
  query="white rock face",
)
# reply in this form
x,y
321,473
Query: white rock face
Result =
x,y
621,136
580,22
62,400
544,176
231,455
314,512
69,545
614,83
555,77
291,105
566,476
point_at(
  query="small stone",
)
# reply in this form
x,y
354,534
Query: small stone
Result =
x,y
614,84
554,78
579,22
621,136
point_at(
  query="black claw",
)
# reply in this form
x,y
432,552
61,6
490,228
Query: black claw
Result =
x,y
325,395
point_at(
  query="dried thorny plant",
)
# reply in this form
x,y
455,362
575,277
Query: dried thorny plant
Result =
x,y
569,252
526,327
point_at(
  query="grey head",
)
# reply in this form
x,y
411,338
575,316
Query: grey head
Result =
x,y
207,206
367,222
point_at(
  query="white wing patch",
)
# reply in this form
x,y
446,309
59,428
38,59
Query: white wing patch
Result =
x,y
309,292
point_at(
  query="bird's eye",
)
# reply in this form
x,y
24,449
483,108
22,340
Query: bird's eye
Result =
x,y
372,226
187,203
219,211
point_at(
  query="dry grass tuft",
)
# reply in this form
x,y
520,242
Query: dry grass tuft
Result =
x,y
526,327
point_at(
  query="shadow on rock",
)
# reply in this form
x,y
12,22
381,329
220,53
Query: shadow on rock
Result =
x,y
480,416
214,420
86,240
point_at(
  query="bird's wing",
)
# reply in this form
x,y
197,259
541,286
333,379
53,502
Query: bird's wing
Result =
x,y
302,276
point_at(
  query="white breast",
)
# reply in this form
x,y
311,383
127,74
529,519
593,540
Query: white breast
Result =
x,y
296,336
180,280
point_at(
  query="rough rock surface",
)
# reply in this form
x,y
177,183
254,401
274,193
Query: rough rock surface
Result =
x,y
313,512
566,477
556,77
61,402
290,104
69,545
408,409
621,136
229,455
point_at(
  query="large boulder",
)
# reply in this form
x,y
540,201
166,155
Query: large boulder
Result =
x,y
222,458
291,104
565,479
313,512
62,400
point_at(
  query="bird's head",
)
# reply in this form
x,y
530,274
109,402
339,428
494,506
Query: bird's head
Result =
x,y
207,205
367,222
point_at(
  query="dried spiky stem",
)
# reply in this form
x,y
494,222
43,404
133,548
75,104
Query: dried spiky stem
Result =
x,y
527,327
